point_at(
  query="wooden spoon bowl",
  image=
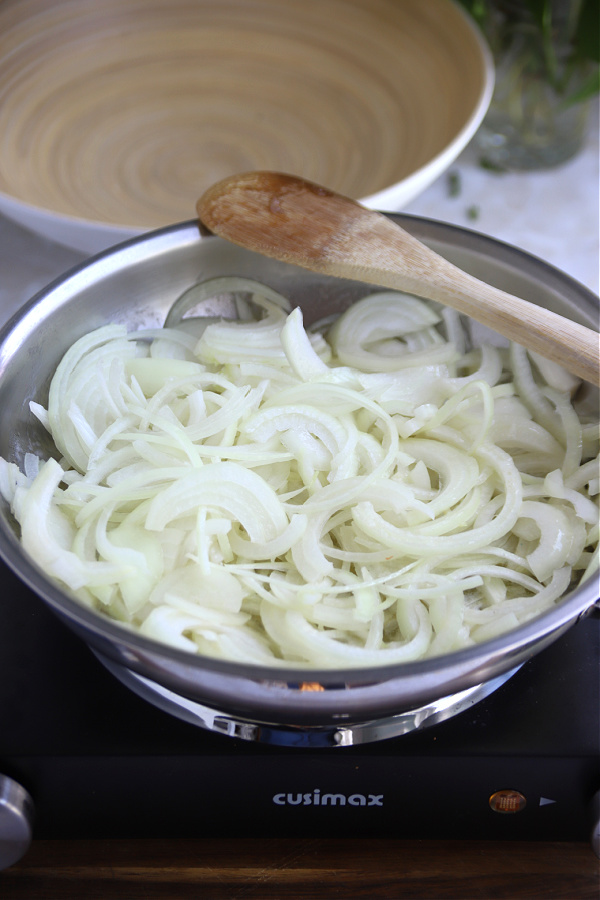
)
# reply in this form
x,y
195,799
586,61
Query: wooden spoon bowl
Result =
x,y
299,222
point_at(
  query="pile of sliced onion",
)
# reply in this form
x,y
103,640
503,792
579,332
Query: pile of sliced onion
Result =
x,y
366,492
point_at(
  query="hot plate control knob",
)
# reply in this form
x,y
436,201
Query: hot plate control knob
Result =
x,y
595,835
16,820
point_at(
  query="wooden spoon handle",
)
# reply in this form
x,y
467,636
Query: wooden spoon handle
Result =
x,y
406,264
299,222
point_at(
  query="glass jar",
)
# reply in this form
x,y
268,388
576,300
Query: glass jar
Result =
x,y
536,118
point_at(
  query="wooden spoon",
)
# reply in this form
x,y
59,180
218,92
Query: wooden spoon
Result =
x,y
299,222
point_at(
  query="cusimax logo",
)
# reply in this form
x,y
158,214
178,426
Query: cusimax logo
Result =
x,y
316,798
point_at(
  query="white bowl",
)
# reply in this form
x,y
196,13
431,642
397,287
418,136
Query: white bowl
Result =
x,y
117,115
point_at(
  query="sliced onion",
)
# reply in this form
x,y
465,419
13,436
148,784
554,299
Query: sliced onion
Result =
x,y
247,490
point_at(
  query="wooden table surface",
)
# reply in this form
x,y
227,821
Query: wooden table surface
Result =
x,y
302,869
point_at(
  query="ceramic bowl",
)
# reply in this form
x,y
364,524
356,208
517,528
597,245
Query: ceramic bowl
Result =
x,y
116,115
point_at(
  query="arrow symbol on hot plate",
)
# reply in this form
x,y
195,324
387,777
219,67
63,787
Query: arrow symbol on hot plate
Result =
x,y
545,802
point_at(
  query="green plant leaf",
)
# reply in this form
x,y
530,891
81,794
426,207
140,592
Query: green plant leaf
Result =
x,y
541,12
588,89
587,33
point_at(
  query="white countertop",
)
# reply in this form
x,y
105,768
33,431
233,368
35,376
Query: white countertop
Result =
x,y
552,214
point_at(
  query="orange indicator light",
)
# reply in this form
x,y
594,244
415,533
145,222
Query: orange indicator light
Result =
x,y
507,802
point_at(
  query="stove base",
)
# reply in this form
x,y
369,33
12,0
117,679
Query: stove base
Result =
x,y
100,762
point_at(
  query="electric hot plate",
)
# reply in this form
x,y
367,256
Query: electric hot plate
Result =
x,y
97,760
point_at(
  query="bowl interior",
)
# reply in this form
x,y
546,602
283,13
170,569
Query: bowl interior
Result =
x,y
121,113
